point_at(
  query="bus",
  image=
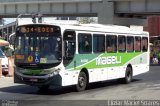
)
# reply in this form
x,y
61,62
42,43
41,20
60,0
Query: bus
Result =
x,y
63,55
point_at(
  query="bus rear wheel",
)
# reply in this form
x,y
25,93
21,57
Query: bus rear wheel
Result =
x,y
82,82
128,75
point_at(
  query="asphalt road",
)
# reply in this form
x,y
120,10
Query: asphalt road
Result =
x,y
143,87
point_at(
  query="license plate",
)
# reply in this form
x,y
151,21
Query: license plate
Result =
x,y
5,70
34,80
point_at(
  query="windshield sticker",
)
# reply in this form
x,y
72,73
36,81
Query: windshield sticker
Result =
x,y
37,57
20,57
43,60
30,59
37,49
31,48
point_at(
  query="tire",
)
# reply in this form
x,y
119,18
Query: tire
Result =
x,y
82,82
128,75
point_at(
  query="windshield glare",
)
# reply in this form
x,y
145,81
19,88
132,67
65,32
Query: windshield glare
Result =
x,y
38,49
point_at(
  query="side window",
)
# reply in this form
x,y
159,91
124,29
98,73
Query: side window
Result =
x,y
130,44
69,39
98,43
111,43
121,43
137,44
84,43
144,44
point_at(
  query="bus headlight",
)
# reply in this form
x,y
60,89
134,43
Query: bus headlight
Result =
x,y
56,71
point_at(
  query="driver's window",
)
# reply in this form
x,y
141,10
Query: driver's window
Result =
x,y
69,39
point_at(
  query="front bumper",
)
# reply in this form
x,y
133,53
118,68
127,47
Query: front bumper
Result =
x,y
55,80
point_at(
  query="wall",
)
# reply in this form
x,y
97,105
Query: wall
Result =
x,y
153,26
106,15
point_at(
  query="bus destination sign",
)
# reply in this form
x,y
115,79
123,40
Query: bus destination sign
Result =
x,y
38,29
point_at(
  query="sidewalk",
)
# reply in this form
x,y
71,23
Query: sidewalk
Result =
x,y
6,82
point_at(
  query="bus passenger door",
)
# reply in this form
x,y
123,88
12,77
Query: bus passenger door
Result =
x,y
69,48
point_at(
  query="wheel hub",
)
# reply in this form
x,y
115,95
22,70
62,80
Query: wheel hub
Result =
x,y
81,81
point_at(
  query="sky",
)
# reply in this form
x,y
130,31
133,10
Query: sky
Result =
x,y
9,20
46,19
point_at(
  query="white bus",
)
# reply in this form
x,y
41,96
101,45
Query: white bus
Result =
x,y
62,55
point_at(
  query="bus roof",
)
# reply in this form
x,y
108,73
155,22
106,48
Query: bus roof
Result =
x,y
96,28
103,28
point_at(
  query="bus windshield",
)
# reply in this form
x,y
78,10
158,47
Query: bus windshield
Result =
x,y
38,49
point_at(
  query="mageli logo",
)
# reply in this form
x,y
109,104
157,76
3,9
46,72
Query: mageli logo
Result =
x,y
108,60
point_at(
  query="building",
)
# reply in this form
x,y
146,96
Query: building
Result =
x,y
154,31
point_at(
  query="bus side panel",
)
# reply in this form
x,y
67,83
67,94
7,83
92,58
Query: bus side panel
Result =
x,y
141,64
107,73
112,72
122,71
95,75
140,69
104,73
69,77
66,78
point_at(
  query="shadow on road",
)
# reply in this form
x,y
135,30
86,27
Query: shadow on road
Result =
x,y
110,83
25,89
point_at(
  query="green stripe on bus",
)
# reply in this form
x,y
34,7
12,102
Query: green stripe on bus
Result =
x,y
89,61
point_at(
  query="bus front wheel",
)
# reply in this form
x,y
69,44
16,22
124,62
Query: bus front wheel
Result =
x,y
82,82
128,75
